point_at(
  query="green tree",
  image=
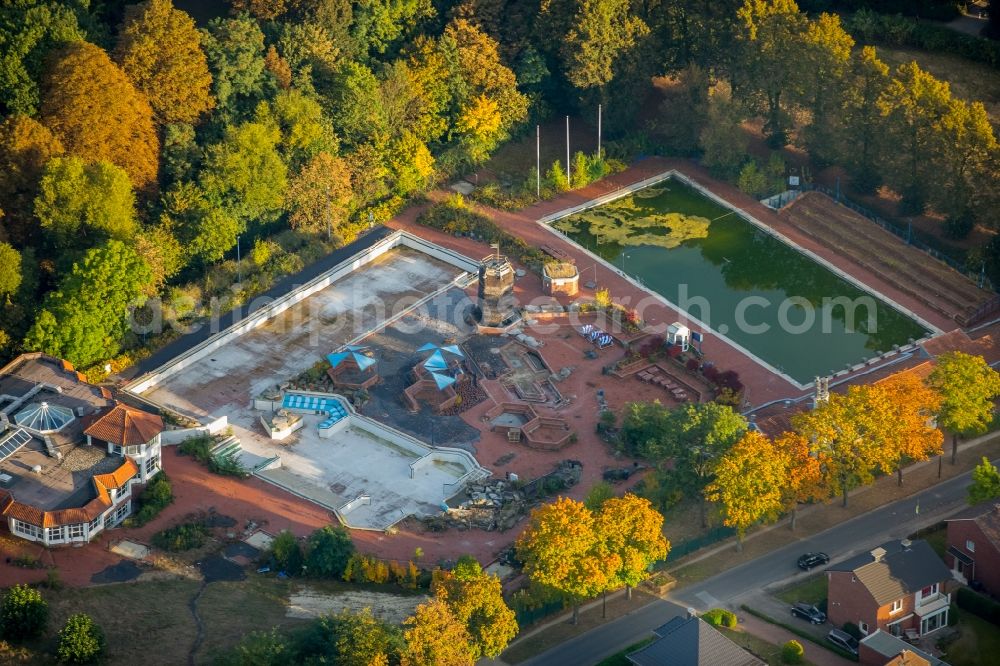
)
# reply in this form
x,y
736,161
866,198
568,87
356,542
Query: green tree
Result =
x,y
476,599
10,276
85,320
863,120
356,108
349,639
245,173
260,648
600,31
379,23
23,613
985,482
80,640
914,105
964,150
98,115
411,163
82,204
205,230
752,180
159,48
827,58
598,494
320,195
968,386
328,550
305,130
770,58
286,551
29,31
234,48
722,140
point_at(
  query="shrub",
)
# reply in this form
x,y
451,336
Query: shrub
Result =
x,y
178,538
23,613
286,552
80,640
154,498
227,465
720,617
978,604
199,448
792,652
329,551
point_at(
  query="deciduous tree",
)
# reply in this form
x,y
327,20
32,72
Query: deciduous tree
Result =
x,y
749,479
600,31
863,120
319,197
10,276
435,637
349,638
804,482
86,318
910,407
631,531
82,204
159,48
234,48
968,387
245,172
560,549
476,599
26,146
81,641
98,115
328,551
985,482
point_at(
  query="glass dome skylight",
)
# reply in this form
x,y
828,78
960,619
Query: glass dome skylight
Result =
x,y
43,417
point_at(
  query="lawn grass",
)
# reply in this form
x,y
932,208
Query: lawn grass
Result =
x,y
812,590
936,537
978,639
619,658
769,652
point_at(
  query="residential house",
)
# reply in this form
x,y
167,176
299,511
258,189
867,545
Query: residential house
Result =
x,y
974,546
690,641
882,649
900,588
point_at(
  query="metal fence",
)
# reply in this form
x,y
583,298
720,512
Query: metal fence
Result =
x,y
909,236
688,546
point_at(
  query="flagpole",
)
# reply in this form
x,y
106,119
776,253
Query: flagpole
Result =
x,y
569,175
538,161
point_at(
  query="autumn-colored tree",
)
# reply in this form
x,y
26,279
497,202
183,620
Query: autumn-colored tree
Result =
x,y
842,433
319,197
80,204
26,146
435,637
827,57
632,533
748,483
98,115
159,48
560,548
279,67
262,9
910,407
10,276
804,481
862,117
968,386
348,639
411,163
476,599
305,130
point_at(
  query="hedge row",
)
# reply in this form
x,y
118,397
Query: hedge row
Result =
x,y
895,30
977,604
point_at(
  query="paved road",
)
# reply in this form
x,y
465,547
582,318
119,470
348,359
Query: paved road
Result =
x,y
728,588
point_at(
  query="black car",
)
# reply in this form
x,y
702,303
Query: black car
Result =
x,y
808,612
810,560
843,640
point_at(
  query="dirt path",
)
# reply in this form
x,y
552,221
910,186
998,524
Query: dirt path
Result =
x,y
199,625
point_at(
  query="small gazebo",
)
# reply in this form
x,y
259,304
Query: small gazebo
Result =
x,y
353,368
436,377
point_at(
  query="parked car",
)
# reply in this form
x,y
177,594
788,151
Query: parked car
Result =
x,y
843,640
808,612
810,560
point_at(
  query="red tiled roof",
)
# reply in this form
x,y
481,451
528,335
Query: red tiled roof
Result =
x,y
125,426
84,514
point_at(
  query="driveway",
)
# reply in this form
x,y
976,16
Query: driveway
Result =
x,y
814,653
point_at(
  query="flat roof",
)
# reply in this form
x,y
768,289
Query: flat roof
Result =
x,y
62,484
